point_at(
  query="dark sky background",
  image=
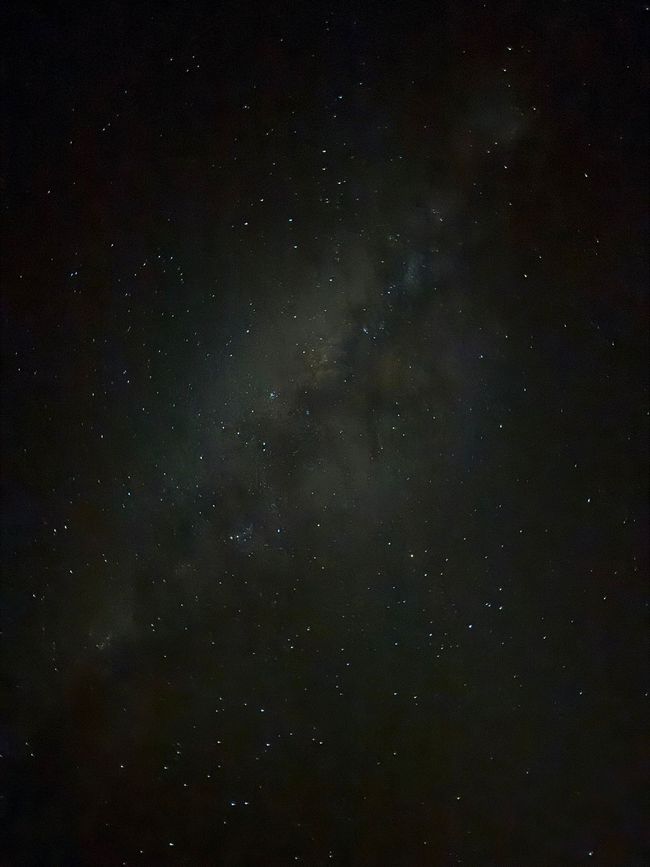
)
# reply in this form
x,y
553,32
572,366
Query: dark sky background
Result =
x,y
324,434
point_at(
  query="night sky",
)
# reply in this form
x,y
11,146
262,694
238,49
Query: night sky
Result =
x,y
324,434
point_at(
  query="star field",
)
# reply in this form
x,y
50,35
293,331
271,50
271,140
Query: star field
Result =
x,y
324,435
